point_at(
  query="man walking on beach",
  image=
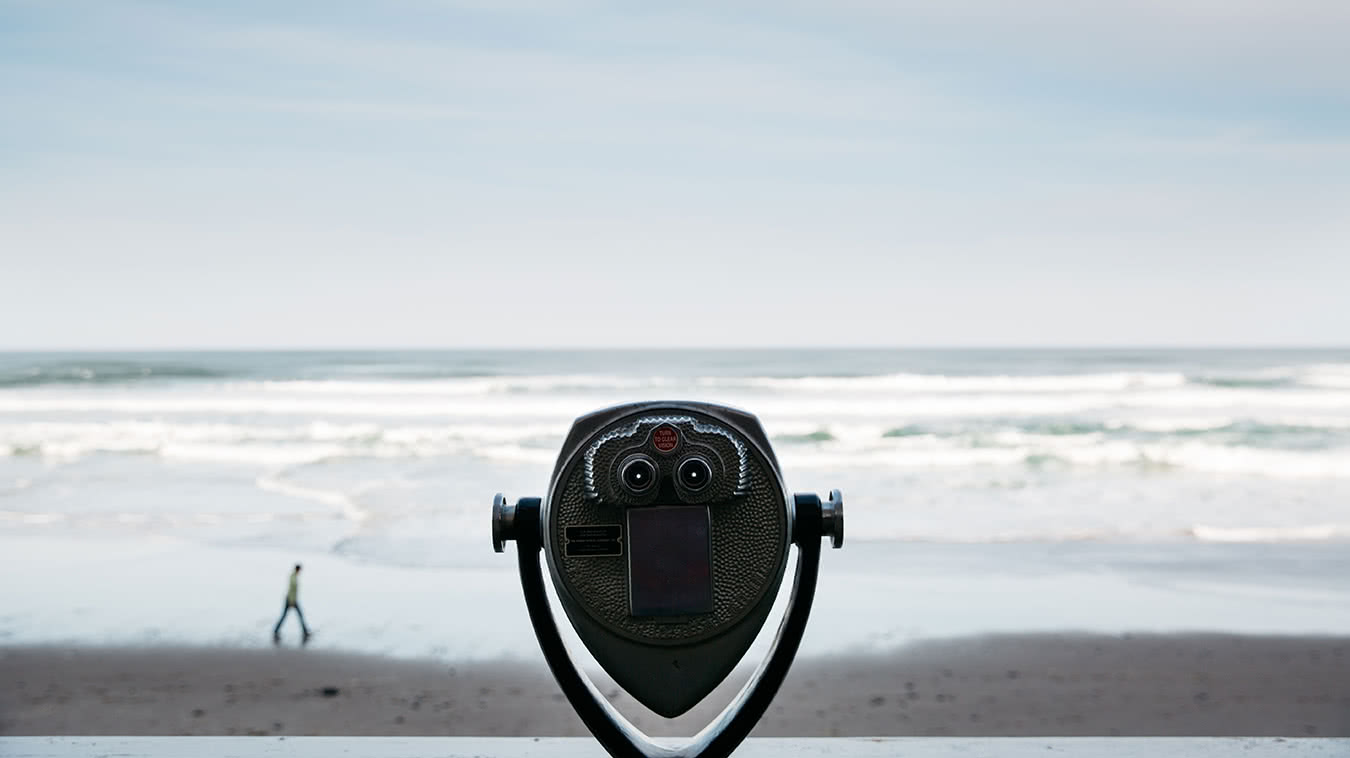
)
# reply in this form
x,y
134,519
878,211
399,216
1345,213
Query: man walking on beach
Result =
x,y
292,601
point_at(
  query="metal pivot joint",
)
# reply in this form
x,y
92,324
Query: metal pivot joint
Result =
x,y
503,522
830,522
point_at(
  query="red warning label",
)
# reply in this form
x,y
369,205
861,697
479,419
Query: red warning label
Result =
x,y
665,438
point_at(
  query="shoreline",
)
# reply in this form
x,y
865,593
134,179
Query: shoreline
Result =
x,y
1050,684
183,592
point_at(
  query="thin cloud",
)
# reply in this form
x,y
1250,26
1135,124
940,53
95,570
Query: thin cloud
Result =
x,y
959,172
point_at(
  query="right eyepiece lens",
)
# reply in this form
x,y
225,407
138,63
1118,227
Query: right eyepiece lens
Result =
x,y
638,474
694,473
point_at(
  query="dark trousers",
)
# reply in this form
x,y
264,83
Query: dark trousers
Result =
x,y
284,612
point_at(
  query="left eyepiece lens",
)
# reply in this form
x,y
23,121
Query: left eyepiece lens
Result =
x,y
638,474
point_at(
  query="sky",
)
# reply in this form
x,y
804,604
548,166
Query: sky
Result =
x,y
519,173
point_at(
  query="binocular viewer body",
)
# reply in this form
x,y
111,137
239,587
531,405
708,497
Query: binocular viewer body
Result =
x,y
667,531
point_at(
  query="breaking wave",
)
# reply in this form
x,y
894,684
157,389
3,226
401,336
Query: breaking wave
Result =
x,y
1222,446
101,373
1042,447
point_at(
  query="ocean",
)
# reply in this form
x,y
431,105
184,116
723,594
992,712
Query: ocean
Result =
x,y
384,463
394,448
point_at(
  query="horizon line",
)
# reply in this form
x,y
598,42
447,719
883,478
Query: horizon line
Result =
x,y
671,348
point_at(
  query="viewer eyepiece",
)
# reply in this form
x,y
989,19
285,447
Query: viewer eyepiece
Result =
x,y
694,473
638,473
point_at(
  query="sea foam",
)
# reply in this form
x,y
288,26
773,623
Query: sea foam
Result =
x,y
949,446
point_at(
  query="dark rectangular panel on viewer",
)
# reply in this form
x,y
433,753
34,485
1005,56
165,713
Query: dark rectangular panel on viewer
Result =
x,y
669,560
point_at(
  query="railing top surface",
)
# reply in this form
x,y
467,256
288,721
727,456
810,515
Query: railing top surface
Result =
x,y
581,747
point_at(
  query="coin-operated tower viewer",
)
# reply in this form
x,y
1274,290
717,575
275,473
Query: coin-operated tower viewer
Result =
x,y
667,531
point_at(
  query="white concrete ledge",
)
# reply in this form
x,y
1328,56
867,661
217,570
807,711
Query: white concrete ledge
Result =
x,y
580,747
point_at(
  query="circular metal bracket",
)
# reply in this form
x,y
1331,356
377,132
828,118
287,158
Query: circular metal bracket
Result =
x,y
503,522
832,519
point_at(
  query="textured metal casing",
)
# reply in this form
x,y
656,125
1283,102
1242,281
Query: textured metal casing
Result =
x,y
751,530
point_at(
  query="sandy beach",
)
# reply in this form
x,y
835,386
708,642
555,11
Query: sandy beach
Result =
x,y
1034,685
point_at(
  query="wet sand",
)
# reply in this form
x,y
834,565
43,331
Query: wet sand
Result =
x,y
1033,685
